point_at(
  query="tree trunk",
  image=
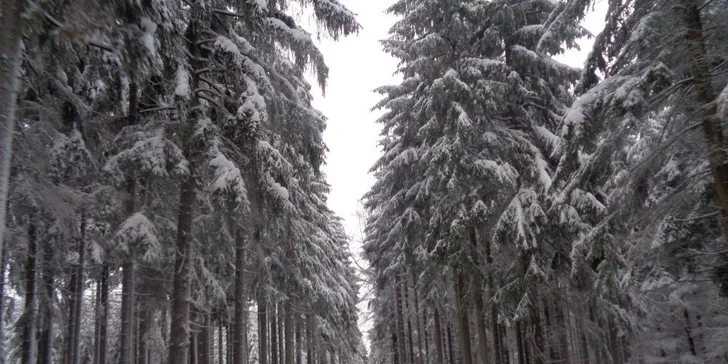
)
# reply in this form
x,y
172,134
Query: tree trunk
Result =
x,y
104,313
408,321
480,324
126,335
519,343
288,333
505,358
262,332
79,291
179,331
539,353
395,344
280,318
11,32
45,343
438,338
309,340
3,263
450,346
203,339
180,315
240,355
220,350
463,321
705,96
142,351
400,323
28,319
274,335
299,344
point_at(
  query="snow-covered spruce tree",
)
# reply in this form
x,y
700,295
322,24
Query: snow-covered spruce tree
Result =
x,y
200,97
467,137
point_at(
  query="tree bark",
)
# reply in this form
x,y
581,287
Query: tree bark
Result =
x,y
11,32
3,263
299,344
438,338
79,290
480,325
45,342
262,331
408,321
240,355
400,323
463,320
705,96
450,346
273,335
539,353
220,350
288,333
104,313
309,340
28,348
180,309
519,343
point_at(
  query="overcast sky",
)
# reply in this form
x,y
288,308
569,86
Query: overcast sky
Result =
x,y
358,66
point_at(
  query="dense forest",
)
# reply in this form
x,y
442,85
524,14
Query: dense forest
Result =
x,y
528,212
166,202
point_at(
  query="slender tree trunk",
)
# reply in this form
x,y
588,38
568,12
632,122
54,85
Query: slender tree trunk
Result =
x,y
180,315
309,340
11,32
463,320
240,355
561,319
288,333
144,322
539,352
79,291
104,313
273,335
497,352
480,324
3,263
28,342
504,345
705,95
400,323
262,332
408,322
417,317
280,318
450,346
45,343
519,343
438,338
220,350
299,344
205,348
395,344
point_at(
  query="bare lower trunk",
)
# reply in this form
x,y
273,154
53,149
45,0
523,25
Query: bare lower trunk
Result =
x,y
262,331
399,318
28,323
179,331
309,340
126,335
519,343
288,333
483,349
438,338
299,344
463,321
705,95
103,319
450,346
273,335
11,27
240,355
3,262
45,341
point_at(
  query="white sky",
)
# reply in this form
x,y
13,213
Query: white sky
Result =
x,y
358,65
